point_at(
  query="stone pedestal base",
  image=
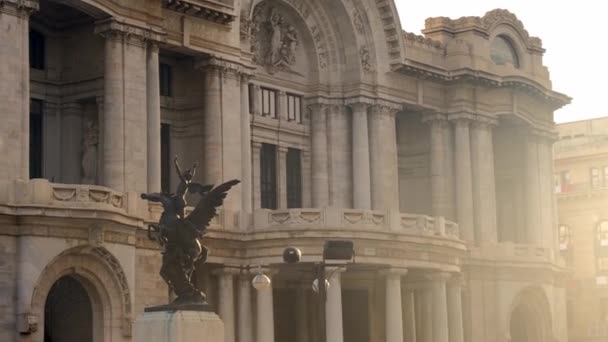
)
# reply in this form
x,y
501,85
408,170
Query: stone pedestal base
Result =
x,y
179,326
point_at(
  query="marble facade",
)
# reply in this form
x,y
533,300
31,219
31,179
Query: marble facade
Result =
x,y
407,147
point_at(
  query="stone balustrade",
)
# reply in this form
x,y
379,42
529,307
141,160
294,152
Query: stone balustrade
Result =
x,y
353,219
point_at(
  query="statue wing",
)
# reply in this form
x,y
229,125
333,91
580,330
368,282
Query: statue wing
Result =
x,y
198,188
207,206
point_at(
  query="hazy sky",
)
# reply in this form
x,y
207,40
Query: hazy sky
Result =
x,y
573,33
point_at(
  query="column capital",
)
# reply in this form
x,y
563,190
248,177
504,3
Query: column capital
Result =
x,y
484,122
110,28
438,276
382,110
19,8
435,119
544,134
359,107
256,145
462,118
456,279
222,66
394,273
228,271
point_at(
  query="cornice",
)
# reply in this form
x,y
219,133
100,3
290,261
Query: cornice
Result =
x,y
214,11
111,28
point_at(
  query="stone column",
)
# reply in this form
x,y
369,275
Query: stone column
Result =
x,y
339,157
534,227
71,142
440,306
15,88
302,329
393,305
265,315
282,175
320,181
226,303
427,315
409,316
454,294
383,159
246,174
125,106
361,166
439,169
484,186
153,107
464,181
256,150
545,146
333,308
245,313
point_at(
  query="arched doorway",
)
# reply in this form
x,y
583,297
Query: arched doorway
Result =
x,y
530,319
68,312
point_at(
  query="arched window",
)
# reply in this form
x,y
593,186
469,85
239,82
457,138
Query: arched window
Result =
x,y
564,237
502,52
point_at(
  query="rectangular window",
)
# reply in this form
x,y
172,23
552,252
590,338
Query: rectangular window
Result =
x,y
269,102
36,138
251,96
294,178
165,157
268,176
37,50
595,177
165,76
294,108
602,265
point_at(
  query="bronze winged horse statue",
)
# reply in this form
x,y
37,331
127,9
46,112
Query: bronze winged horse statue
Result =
x,y
181,238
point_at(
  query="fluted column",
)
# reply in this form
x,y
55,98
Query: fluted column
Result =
x,y
245,313
226,303
360,152
153,107
545,148
439,169
427,315
409,316
320,180
306,179
71,142
383,159
534,228
440,306
246,171
256,150
265,315
339,156
464,181
15,88
282,175
393,305
334,330
484,186
454,293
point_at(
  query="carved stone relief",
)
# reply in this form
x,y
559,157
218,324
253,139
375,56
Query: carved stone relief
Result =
x,y
90,145
274,40
358,21
366,63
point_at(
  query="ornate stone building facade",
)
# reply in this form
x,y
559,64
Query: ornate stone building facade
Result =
x,y
431,153
581,183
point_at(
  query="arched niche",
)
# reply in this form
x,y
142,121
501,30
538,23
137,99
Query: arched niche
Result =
x,y
99,272
530,317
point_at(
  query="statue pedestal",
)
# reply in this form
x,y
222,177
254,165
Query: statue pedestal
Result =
x,y
179,326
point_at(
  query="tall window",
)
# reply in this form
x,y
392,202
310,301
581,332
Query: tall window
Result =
x,y
564,237
37,50
294,178
165,79
268,176
269,102
36,138
564,181
595,177
251,95
602,235
165,158
294,108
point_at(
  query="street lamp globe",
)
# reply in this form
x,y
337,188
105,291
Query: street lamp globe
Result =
x,y
261,282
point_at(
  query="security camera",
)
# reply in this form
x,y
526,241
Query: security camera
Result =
x,y
292,255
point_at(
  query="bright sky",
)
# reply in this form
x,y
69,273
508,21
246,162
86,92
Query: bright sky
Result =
x,y
573,33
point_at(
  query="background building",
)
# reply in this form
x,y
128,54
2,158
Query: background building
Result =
x,y
581,184
432,153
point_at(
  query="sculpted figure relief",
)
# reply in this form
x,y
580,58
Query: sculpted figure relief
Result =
x,y
89,153
274,41
181,236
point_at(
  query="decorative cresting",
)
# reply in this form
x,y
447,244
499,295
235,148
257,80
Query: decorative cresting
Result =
x,y
484,25
98,266
349,219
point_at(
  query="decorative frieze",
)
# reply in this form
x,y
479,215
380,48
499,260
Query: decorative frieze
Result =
x,y
214,11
